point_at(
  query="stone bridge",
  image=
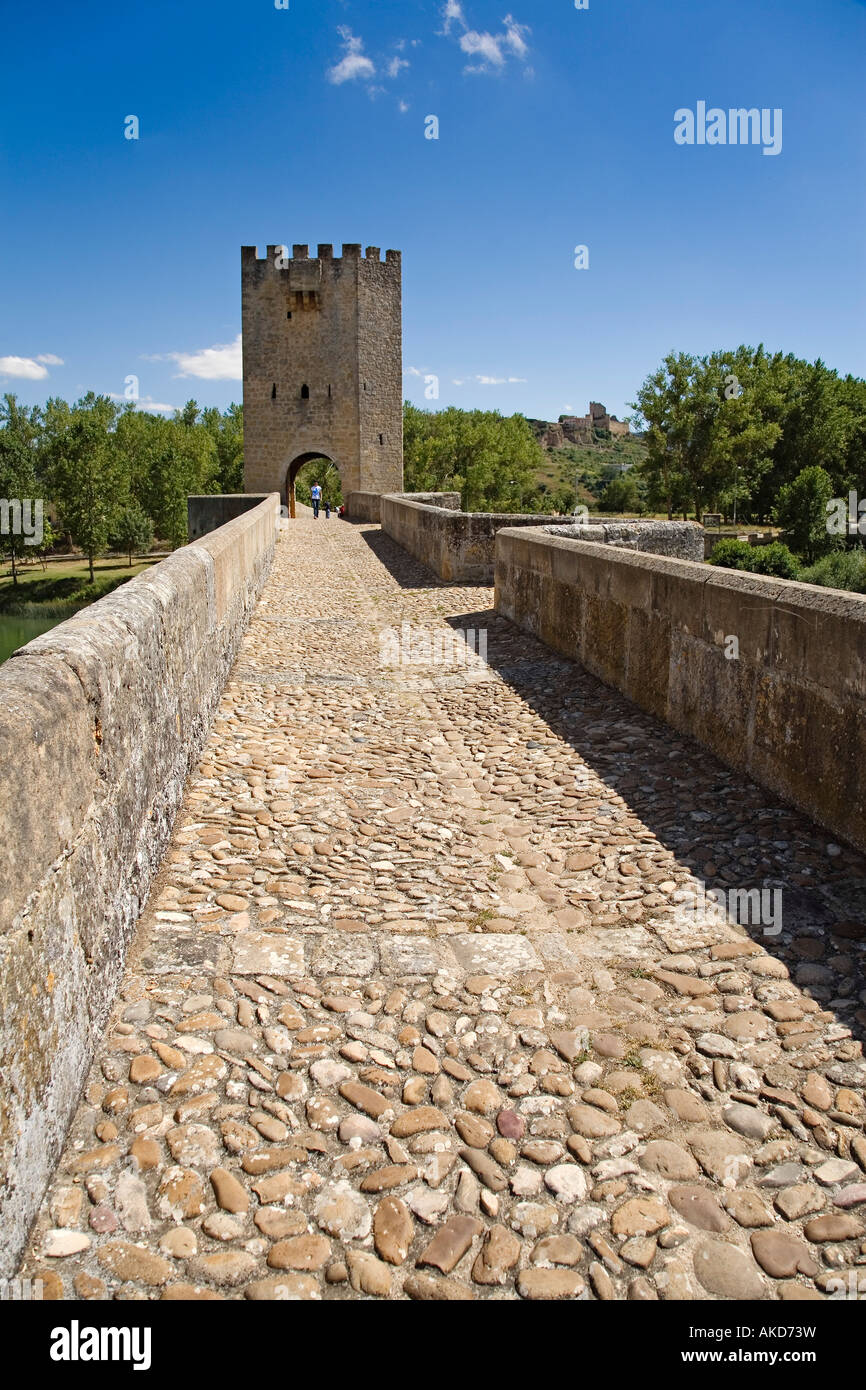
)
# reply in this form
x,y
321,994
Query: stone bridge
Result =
x,y
418,1005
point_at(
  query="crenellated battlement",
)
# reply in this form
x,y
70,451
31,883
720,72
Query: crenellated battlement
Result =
x,y
278,257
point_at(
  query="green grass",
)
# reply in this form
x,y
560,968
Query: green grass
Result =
x,y
62,589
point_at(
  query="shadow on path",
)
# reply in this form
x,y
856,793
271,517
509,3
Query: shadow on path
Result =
x,y
728,831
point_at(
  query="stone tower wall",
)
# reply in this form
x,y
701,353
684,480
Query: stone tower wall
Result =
x,y
344,343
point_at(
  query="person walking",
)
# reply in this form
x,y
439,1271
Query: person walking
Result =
x,y
316,495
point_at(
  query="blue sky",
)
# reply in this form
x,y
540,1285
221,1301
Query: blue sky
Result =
x,y
556,129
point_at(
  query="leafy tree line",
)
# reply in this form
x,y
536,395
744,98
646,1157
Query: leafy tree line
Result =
x,y
117,476
731,431
753,435
818,548
492,460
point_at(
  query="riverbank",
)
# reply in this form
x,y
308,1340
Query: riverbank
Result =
x,y
42,598
63,588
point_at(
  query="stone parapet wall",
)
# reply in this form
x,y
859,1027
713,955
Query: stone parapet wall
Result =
x,y
363,506
457,546
367,506
683,540
101,720
787,710
206,513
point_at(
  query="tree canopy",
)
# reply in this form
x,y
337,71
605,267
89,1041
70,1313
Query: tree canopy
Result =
x,y
492,460
727,431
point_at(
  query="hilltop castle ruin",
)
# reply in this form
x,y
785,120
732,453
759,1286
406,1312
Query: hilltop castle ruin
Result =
x,y
578,429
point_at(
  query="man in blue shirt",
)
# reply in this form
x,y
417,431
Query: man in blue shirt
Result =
x,y
316,494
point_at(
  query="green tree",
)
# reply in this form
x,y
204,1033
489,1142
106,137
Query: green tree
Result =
x,y
490,459
801,511
711,427
17,497
622,495
664,413
88,476
180,458
227,432
132,531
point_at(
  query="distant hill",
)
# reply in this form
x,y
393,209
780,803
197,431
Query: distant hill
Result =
x,y
585,459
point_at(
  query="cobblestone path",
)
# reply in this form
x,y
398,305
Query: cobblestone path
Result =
x,y
417,1008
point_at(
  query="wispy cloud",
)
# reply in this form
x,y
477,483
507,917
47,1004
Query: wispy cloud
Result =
x,y
452,13
491,51
354,63
29,368
480,379
144,403
222,362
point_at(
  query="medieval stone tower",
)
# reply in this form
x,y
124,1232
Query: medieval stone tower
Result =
x,y
323,371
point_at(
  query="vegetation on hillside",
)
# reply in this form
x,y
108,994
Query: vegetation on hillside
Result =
x,y
579,474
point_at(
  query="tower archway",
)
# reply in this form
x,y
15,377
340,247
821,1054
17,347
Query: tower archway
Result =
x,y
293,468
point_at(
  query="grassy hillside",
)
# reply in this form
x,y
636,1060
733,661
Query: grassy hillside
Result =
x,y
587,467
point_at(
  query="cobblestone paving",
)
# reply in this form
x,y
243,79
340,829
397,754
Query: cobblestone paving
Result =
x,y
417,1009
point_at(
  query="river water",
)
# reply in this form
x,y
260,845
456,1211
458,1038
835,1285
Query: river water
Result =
x,y
14,632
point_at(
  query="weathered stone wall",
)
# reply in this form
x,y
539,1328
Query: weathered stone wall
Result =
x,y
100,722
323,371
453,544
788,712
364,506
684,540
208,513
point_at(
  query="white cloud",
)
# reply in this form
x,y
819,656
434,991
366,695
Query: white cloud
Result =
x,y
222,362
483,380
145,403
354,62
412,371
395,65
403,107
28,368
492,50
452,13
514,36
485,46
49,359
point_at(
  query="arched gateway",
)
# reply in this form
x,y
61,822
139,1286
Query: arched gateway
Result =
x,y
323,372
292,469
